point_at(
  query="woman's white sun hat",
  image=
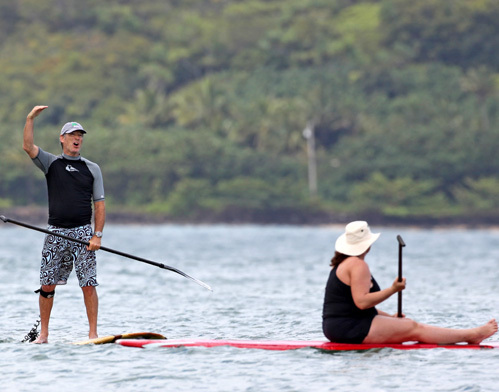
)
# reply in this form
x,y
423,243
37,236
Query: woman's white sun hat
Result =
x,y
356,239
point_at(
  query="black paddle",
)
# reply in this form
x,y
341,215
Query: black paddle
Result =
x,y
160,265
401,245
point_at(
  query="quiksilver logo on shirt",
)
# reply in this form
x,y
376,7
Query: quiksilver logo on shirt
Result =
x,y
70,168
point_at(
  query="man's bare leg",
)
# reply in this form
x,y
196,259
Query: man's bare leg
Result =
x,y
45,305
92,304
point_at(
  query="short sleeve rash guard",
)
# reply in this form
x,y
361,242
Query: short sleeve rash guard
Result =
x,y
72,184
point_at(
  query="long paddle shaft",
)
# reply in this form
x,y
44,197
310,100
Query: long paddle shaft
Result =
x,y
401,245
117,252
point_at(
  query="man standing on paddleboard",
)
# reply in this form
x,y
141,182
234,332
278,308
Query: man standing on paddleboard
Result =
x,y
73,182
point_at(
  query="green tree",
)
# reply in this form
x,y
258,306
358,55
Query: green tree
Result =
x,y
462,32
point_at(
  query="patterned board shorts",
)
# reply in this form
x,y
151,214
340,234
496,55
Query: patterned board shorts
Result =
x,y
59,255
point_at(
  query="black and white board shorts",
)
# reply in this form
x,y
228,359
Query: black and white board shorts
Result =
x,y
59,255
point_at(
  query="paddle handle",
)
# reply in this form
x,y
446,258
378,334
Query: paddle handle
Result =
x,y
401,245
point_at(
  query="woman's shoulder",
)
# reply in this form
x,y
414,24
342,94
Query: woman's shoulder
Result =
x,y
355,263
352,265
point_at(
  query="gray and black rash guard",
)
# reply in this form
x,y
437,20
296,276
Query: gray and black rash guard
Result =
x,y
72,184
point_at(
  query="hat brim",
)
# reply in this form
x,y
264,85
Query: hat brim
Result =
x,y
342,246
75,130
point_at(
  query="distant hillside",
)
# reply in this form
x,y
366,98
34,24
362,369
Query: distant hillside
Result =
x,y
196,109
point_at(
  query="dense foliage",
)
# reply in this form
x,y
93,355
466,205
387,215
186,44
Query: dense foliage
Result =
x,y
196,108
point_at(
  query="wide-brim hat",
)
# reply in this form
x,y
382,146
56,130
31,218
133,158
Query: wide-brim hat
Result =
x,y
356,239
71,127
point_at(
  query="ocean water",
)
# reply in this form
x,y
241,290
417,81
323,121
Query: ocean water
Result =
x,y
268,283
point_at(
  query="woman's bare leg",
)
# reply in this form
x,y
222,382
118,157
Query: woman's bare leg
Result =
x,y
398,330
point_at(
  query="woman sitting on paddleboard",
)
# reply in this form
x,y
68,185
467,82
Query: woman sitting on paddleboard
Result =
x,y
349,314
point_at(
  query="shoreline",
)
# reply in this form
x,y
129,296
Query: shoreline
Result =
x,y
39,216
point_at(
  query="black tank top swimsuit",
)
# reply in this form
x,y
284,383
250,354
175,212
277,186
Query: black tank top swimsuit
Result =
x,y
342,320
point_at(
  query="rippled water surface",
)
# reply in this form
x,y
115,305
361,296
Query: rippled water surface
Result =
x,y
268,283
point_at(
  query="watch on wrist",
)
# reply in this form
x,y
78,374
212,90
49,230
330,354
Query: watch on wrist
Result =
x,y
98,234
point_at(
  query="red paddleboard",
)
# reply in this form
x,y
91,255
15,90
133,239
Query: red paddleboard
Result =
x,y
293,344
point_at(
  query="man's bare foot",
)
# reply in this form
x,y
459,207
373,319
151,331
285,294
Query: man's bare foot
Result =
x,y
41,340
92,336
483,332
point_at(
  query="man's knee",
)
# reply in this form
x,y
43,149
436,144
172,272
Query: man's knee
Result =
x,y
46,291
89,290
